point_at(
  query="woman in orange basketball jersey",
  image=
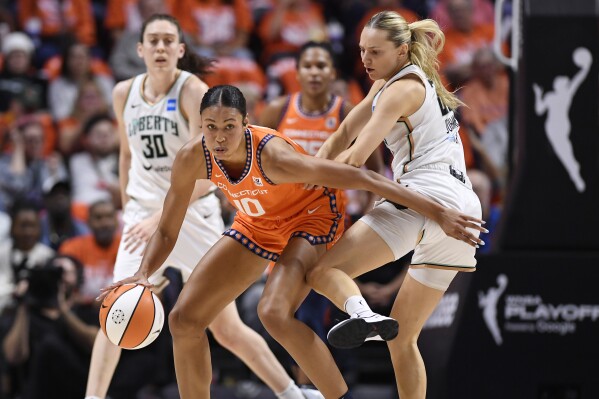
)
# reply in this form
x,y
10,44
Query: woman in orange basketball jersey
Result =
x,y
262,174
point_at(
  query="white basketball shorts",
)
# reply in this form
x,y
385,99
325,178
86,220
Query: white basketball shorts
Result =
x,y
405,230
202,227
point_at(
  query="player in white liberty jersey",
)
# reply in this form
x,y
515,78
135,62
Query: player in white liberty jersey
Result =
x,y
158,112
409,109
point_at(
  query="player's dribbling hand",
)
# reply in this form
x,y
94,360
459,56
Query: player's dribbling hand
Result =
x,y
137,278
456,224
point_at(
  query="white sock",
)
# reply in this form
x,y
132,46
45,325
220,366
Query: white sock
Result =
x,y
291,392
92,397
357,305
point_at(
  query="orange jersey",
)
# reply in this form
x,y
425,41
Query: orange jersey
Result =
x,y
270,214
310,131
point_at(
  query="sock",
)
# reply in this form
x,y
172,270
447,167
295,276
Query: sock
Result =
x,y
291,392
92,397
357,305
347,396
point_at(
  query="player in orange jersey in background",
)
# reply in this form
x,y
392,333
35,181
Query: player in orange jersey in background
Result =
x,y
311,115
264,175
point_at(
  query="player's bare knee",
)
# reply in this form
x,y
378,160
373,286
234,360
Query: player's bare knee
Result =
x,y
272,314
182,322
226,335
314,275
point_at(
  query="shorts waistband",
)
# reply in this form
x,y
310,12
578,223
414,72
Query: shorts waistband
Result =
x,y
458,174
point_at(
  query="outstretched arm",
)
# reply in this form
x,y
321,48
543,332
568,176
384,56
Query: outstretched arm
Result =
x,y
578,79
282,164
353,123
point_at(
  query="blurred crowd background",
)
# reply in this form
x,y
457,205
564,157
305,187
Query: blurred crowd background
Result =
x,y
60,198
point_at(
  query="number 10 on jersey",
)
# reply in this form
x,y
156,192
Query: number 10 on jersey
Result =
x,y
250,206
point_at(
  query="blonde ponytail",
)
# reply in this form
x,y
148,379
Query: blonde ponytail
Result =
x,y
425,40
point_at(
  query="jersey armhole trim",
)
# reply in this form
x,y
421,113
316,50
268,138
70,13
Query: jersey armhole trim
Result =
x,y
261,145
208,159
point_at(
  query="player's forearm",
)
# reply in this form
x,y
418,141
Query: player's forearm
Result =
x,y
399,194
83,333
159,248
124,166
201,188
334,145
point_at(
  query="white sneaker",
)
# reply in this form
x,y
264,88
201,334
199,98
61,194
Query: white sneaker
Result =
x,y
354,331
311,393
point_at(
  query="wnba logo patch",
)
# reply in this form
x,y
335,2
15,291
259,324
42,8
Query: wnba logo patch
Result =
x,y
171,104
330,122
258,181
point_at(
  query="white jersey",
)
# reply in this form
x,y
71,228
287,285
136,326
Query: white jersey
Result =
x,y
155,134
427,139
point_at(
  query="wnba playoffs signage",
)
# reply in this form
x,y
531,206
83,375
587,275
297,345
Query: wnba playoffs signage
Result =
x,y
529,313
524,325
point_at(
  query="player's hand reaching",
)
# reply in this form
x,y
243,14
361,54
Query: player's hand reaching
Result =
x,y
137,278
141,233
456,224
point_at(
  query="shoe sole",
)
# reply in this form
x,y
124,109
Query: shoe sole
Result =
x,y
352,333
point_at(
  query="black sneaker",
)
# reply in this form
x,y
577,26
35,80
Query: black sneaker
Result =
x,y
354,331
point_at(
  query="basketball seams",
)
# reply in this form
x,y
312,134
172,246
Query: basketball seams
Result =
x,y
131,317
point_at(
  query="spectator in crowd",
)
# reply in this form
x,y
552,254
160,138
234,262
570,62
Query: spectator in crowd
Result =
x,y
22,91
18,73
75,70
487,96
462,40
289,25
222,28
125,15
124,59
58,223
483,13
97,251
50,335
94,171
23,251
90,101
26,171
4,226
53,20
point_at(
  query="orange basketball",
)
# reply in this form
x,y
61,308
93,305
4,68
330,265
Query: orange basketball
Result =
x,y
131,316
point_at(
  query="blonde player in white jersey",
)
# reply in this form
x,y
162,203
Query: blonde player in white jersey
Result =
x,y
157,113
409,109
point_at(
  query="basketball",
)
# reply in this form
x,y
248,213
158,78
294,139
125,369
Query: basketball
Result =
x,y
582,57
131,316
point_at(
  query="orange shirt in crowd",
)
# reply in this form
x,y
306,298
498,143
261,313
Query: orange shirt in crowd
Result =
x,y
484,105
56,17
7,120
98,262
217,22
53,66
297,28
461,46
124,14
236,72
